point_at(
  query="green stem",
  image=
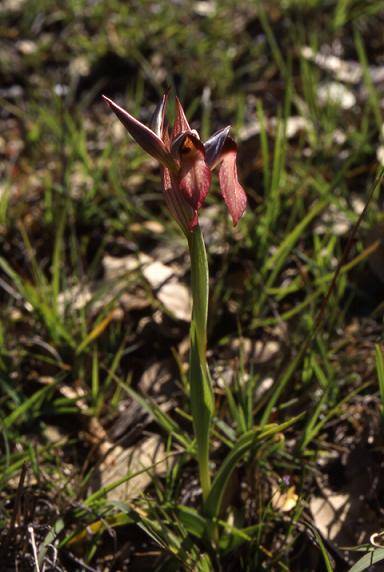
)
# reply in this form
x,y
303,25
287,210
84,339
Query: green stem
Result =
x,y
200,384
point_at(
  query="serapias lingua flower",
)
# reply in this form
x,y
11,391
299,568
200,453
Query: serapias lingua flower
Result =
x,y
187,162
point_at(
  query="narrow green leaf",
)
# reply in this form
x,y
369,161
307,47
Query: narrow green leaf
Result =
x,y
102,492
96,331
27,405
50,539
57,257
194,523
235,537
373,96
264,143
327,560
162,418
368,560
277,260
214,500
199,380
380,373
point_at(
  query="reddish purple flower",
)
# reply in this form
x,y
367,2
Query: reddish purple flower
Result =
x,y
187,162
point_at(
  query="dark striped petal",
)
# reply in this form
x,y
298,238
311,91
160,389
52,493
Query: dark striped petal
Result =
x,y
146,138
179,208
194,174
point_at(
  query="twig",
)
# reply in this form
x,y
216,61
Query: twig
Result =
x,y
34,548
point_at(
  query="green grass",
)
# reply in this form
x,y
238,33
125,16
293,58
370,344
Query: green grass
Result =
x,y
76,341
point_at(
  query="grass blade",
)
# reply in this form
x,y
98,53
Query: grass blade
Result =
x,y
368,560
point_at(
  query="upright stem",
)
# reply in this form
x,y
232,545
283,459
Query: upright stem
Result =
x,y
199,379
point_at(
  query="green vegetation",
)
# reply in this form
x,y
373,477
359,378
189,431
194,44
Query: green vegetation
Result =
x,y
98,462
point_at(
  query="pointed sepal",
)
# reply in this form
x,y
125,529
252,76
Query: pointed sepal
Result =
x,y
181,122
158,117
214,146
144,136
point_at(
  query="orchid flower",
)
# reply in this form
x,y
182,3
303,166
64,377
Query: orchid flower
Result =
x,y
187,162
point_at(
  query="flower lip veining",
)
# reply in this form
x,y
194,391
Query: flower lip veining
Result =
x,y
187,162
